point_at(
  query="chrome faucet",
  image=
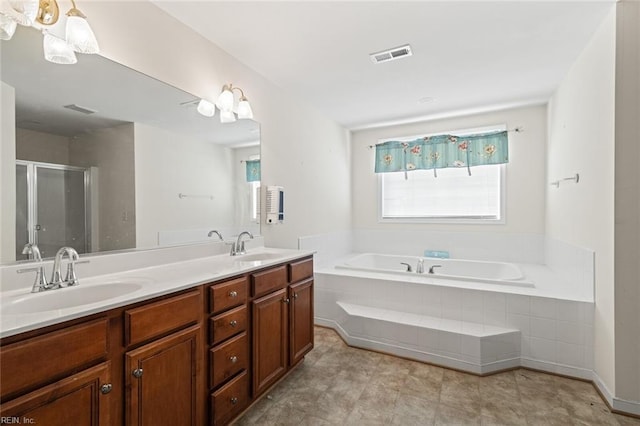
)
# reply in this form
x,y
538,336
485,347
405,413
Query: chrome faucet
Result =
x,y
420,266
212,232
56,277
238,246
40,284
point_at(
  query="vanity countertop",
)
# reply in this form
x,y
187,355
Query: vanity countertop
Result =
x,y
148,282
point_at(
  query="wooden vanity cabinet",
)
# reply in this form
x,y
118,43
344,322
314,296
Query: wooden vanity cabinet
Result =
x,y
158,362
161,375
58,377
270,339
228,351
82,399
282,321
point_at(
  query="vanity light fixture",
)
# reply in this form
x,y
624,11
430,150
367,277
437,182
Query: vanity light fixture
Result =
x,y
43,13
225,104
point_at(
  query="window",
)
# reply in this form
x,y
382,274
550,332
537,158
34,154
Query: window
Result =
x,y
451,197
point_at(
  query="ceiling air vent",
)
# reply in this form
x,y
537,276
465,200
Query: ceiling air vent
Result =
x,y
391,54
81,109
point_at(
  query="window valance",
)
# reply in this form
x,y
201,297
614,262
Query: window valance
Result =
x,y
442,151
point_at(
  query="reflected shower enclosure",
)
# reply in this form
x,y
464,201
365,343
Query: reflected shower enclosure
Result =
x,y
53,207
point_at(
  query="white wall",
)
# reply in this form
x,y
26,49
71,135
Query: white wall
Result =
x,y
7,173
167,164
525,173
627,202
581,140
302,150
111,151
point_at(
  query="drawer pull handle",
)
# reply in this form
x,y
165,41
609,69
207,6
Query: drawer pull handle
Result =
x,y
234,400
285,300
137,373
106,388
233,323
233,359
233,294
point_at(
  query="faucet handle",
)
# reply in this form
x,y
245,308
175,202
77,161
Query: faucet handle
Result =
x,y
71,278
40,283
233,248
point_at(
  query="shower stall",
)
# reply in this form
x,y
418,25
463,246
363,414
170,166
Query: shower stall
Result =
x,y
53,203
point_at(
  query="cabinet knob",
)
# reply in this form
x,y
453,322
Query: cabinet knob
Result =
x,y
234,400
233,359
137,373
233,294
286,300
295,295
233,323
106,388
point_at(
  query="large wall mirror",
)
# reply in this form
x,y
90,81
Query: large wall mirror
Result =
x,y
109,159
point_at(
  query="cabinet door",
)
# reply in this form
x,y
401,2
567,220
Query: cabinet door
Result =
x,y
270,337
301,320
82,399
161,381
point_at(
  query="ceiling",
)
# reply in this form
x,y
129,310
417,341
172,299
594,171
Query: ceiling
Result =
x,y
468,56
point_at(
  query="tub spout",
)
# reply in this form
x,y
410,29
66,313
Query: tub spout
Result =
x,y
420,266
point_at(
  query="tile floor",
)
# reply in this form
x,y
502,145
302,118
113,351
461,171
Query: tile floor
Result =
x,y
339,385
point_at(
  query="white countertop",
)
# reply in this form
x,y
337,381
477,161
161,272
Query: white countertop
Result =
x,y
154,281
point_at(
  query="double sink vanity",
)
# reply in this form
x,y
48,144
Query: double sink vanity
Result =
x,y
193,342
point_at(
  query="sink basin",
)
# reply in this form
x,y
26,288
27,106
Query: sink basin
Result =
x,y
257,257
70,297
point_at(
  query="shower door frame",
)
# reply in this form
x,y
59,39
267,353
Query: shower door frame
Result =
x,y
32,199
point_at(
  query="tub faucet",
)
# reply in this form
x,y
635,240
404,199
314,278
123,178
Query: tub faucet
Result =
x,y
56,277
238,246
407,265
212,232
420,266
431,270
40,284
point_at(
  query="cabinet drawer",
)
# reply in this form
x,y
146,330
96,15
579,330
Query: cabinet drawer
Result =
x,y
267,281
228,359
49,357
300,270
230,400
161,317
227,295
227,324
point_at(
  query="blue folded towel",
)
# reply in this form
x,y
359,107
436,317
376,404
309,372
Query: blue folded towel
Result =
x,y
439,254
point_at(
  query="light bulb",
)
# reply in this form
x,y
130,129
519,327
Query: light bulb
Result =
x,y
58,51
7,27
206,108
227,117
225,100
244,109
79,34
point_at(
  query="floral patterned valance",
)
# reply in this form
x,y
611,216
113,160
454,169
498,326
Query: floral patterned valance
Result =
x,y
253,170
442,151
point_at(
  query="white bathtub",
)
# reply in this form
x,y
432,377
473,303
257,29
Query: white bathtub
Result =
x,y
450,269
